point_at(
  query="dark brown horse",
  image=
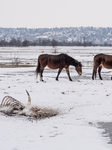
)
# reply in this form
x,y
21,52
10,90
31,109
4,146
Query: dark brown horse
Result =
x,y
99,61
57,61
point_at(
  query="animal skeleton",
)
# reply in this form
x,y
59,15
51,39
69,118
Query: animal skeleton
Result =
x,y
11,106
10,101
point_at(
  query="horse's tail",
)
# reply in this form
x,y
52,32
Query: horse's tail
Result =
x,y
38,68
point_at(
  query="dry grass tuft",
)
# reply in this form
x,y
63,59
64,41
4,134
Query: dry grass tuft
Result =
x,y
38,112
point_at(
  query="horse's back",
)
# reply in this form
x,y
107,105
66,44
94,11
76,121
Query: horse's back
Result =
x,y
43,56
53,57
60,59
102,56
99,55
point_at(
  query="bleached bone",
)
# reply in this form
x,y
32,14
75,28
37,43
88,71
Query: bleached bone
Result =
x,y
10,101
29,98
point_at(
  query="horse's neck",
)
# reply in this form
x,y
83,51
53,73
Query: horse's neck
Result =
x,y
74,62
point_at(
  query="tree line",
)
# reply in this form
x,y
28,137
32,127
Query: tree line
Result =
x,y
47,42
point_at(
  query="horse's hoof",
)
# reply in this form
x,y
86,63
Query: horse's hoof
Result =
x,y
70,79
56,79
42,80
92,78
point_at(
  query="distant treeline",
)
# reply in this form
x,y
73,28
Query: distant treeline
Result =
x,y
19,43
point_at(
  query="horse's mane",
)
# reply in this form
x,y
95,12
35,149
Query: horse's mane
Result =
x,y
72,60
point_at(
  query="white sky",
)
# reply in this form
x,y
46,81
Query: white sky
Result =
x,y
55,13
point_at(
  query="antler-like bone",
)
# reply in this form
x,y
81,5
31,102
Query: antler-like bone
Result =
x,y
29,98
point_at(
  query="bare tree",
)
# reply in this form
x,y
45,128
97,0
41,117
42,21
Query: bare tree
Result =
x,y
54,43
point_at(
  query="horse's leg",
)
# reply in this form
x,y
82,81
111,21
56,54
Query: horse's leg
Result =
x,y
41,72
41,75
96,65
94,73
59,71
99,72
67,71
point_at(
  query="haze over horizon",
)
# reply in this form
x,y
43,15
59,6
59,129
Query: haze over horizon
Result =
x,y
55,13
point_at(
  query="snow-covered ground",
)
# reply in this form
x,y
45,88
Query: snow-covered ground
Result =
x,y
81,103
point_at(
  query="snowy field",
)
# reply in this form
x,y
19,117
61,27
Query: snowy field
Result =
x,y
81,104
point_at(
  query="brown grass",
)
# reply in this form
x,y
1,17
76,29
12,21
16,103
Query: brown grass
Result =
x,y
36,112
33,112
12,65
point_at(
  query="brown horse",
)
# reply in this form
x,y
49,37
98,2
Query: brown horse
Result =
x,y
57,61
99,61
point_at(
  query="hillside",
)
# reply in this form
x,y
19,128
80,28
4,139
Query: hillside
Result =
x,y
77,34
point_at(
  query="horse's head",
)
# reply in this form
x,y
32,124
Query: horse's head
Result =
x,y
78,68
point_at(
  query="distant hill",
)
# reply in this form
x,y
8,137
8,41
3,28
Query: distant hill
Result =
x,y
78,34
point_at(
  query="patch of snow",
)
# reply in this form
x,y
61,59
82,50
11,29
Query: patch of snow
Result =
x,y
81,103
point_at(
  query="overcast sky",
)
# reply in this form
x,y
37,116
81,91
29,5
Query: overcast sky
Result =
x,y
55,13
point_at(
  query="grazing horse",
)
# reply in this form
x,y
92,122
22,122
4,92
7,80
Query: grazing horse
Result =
x,y
57,61
99,61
